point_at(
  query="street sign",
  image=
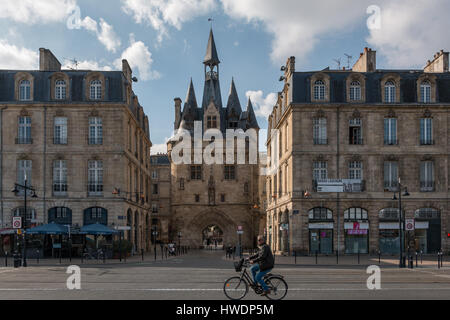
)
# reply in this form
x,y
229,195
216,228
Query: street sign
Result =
x,y
240,228
409,224
240,232
123,228
17,223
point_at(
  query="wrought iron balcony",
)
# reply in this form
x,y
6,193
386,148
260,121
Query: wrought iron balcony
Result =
x,y
427,186
24,140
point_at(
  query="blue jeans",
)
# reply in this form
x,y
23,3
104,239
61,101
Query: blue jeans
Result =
x,y
258,276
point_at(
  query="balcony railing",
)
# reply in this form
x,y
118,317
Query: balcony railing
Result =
x,y
391,186
59,188
426,142
390,142
356,141
24,140
95,189
320,141
95,140
427,186
60,140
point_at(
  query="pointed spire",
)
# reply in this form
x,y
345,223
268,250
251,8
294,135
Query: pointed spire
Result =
x,y
211,57
233,101
251,117
190,96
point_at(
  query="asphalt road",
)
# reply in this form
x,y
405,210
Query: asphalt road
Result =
x,y
200,276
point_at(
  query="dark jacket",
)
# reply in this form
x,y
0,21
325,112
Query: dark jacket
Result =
x,y
264,258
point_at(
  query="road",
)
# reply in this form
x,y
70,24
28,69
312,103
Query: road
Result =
x,y
200,276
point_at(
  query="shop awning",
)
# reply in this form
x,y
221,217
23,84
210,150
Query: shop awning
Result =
x,y
97,229
51,228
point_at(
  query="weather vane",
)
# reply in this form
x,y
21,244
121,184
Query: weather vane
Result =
x,y
211,20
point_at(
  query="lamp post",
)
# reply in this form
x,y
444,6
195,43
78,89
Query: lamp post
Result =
x,y
26,188
401,223
154,233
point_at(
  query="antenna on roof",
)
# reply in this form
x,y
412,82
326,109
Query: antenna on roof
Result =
x,y
349,60
338,61
75,63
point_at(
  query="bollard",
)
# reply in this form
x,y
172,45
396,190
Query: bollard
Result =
x,y
439,260
337,257
142,254
411,262
6,259
104,255
379,257
417,261
316,256
421,257
295,256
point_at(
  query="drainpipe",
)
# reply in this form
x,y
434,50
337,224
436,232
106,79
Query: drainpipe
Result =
x,y
1,164
45,216
338,177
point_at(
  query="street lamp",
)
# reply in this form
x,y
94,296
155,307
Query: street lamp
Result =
x,y
26,188
401,222
154,233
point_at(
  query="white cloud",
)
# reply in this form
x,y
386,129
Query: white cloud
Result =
x,y
106,35
85,65
158,148
139,56
411,33
162,13
262,105
13,57
34,12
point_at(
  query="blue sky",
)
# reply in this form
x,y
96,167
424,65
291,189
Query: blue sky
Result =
x,y
165,41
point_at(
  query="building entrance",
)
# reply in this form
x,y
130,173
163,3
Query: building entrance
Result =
x,y
212,237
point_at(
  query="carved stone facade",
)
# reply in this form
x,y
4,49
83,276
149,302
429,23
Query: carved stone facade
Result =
x,y
369,141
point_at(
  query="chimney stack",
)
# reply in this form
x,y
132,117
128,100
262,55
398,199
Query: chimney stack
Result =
x,y
367,61
177,112
47,61
439,64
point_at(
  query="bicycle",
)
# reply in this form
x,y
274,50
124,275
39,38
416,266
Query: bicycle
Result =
x,y
236,288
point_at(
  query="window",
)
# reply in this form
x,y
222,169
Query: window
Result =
x,y
222,198
197,198
60,215
155,189
389,92
60,177
95,131
319,90
95,177
320,214
355,91
355,132
427,214
391,175
320,131
426,131
390,131
355,171
320,171
96,90
24,134
154,208
25,90
196,172
60,90
95,215
60,131
427,176
233,124
182,184
246,189
355,214
390,214
230,172
425,92
24,169
30,215
211,122
155,174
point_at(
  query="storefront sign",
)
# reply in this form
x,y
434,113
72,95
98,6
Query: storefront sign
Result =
x,y
356,226
422,224
321,225
356,232
389,226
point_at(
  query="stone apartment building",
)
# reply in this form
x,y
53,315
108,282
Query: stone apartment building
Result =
x,y
369,127
210,202
81,139
160,196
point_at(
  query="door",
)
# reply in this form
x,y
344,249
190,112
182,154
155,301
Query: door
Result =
x,y
326,241
314,241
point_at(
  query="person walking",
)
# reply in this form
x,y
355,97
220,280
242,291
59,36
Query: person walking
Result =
x,y
263,263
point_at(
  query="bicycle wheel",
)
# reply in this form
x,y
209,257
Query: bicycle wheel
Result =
x,y
278,288
235,288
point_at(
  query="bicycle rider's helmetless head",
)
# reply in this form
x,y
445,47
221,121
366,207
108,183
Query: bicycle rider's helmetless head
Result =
x,y
261,240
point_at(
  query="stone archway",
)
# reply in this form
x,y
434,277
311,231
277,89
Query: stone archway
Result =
x,y
212,237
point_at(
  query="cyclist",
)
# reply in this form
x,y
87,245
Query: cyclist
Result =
x,y
265,263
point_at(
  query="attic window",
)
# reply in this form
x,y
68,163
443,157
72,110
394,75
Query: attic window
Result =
x,y
211,122
233,124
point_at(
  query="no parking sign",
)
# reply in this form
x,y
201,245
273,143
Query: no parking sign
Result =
x,y
409,224
17,223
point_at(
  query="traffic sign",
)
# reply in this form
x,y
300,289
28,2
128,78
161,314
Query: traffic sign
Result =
x,y
240,232
409,224
17,223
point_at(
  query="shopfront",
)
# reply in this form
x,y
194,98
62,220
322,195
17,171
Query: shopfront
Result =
x,y
427,233
321,226
389,235
356,231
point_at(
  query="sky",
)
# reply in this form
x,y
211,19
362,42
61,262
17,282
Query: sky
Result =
x,y
165,42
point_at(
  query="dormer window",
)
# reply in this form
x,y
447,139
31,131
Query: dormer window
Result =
x,y
233,124
25,90
390,92
319,90
60,90
355,91
96,90
211,122
425,92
